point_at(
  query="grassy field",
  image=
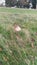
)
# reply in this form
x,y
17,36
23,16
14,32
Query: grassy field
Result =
x,y
18,48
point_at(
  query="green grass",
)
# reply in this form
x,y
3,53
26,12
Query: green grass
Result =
x,y
18,48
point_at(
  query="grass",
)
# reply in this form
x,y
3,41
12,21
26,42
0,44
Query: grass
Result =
x,y
18,48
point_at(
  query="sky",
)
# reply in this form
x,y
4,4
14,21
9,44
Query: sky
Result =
x,y
2,1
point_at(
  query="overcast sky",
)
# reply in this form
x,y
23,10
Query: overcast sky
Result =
x,y
2,1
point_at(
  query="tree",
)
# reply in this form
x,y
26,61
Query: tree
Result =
x,y
10,3
23,3
18,3
34,4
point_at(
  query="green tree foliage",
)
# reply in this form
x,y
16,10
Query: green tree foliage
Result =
x,y
10,3
16,2
20,3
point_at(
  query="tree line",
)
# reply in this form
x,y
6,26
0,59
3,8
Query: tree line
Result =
x,y
20,3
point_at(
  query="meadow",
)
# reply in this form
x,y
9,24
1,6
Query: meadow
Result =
x,y
18,47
